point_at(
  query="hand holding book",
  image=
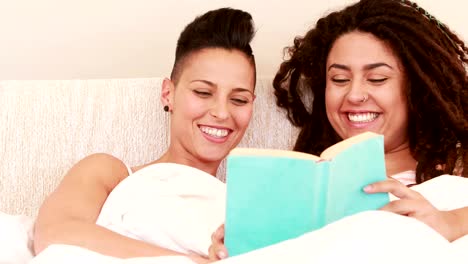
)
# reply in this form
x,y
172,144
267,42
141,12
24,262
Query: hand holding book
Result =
x,y
275,195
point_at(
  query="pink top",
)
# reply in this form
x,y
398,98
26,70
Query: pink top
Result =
x,y
405,177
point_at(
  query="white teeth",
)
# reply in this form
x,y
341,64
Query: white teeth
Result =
x,y
362,117
214,132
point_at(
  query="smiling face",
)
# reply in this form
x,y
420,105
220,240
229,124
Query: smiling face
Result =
x,y
365,90
211,104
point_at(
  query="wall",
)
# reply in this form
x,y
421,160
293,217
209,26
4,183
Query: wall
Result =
x,y
64,39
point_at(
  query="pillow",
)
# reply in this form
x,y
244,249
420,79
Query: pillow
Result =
x,y
16,244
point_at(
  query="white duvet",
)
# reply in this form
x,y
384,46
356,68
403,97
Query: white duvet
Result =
x,y
178,207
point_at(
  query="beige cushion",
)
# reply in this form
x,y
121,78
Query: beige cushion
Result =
x,y
47,126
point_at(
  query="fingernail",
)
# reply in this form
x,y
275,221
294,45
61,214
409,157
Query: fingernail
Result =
x,y
221,254
368,188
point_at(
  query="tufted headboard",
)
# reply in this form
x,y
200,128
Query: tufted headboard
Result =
x,y
47,126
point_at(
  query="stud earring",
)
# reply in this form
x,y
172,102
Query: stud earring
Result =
x,y
166,108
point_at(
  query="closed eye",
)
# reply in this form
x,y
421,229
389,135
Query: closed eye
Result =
x,y
238,101
202,93
340,80
381,80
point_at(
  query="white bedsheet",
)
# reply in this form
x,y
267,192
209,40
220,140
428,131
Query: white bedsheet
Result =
x,y
167,204
369,237
15,239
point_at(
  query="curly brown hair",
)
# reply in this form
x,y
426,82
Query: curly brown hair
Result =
x,y
434,61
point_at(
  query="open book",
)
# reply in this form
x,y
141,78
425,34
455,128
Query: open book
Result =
x,y
275,195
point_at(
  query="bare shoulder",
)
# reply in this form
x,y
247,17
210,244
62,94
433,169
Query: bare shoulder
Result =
x,y
100,168
102,158
84,189
79,197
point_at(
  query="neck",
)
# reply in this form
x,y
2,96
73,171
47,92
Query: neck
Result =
x,y
210,167
399,160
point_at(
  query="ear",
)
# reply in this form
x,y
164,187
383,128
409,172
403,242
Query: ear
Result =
x,y
167,93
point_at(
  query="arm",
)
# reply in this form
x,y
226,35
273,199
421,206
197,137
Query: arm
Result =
x,y
69,214
461,216
451,224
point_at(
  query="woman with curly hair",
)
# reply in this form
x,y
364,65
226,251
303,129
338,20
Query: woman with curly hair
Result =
x,y
431,63
389,67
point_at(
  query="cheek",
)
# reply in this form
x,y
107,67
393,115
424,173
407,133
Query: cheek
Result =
x,y
192,107
400,109
242,116
395,101
331,102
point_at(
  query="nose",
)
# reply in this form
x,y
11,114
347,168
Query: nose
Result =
x,y
357,92
220,109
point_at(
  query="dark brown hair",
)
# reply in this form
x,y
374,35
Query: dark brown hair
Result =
x,y
226,28
434,61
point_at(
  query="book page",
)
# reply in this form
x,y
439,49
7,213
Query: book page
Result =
x,y
273,153
332,151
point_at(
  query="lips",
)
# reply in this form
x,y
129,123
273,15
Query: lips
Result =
x,y
215,132
362,117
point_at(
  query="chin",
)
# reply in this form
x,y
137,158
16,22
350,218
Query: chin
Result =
x,y
214,157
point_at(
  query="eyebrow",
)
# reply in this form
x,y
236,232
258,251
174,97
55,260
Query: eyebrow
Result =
x,y
242,90
204,81
239,89
366,67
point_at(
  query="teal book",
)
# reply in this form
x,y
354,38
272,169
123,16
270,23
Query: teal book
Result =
x,y
275,195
